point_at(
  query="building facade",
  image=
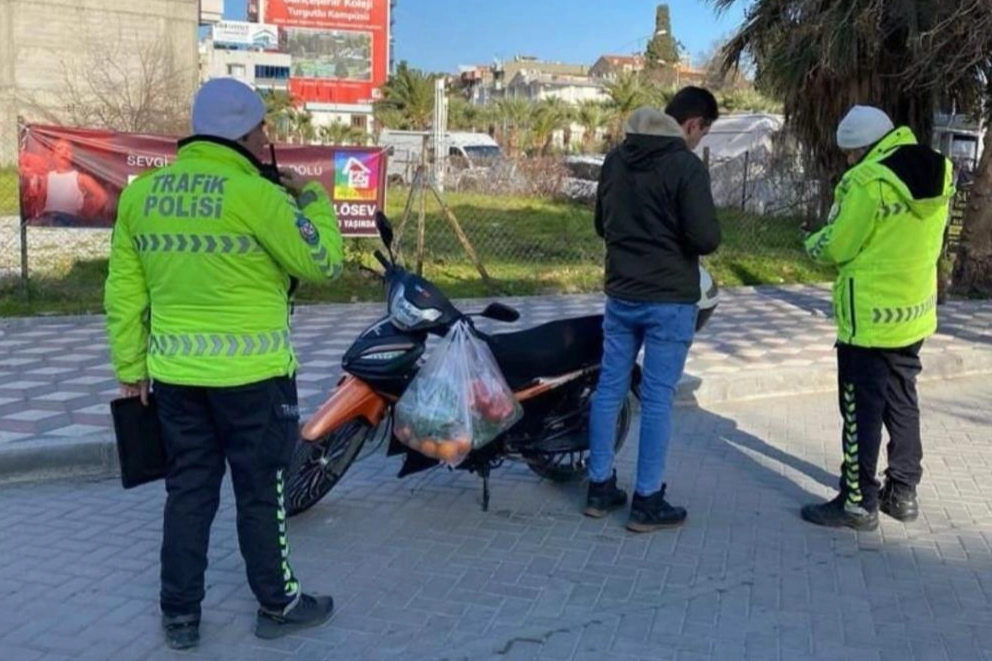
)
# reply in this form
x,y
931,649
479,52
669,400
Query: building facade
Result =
x,y
611,67
543,86
44,42
263,71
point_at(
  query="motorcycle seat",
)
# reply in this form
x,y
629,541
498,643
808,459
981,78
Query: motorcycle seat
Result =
x,y
549,350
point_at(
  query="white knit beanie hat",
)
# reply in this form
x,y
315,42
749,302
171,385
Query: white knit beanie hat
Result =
x,y
227,108
863,126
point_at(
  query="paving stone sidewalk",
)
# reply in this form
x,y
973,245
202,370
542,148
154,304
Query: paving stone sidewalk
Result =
x,y
55,381
420,573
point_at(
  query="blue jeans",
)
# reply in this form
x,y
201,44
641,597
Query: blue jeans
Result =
x,y
665,330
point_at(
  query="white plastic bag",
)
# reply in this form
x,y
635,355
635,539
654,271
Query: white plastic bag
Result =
x,y
459,401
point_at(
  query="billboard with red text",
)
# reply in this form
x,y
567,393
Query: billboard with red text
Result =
x,y
340,48
74,177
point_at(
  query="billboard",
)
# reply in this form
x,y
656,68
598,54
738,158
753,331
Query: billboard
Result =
x,y
243,33
74,177
340,48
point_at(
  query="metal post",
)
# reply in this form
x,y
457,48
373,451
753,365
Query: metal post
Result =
x,y
23,225
25,275
747,163
439,130
420,183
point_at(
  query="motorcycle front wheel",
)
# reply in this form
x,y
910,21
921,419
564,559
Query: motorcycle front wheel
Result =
x,y
319,465
571,466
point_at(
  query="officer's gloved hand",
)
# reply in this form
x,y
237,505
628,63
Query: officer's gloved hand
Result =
x,y
292,181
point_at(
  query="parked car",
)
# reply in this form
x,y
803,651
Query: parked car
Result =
x,y
582,179
469,154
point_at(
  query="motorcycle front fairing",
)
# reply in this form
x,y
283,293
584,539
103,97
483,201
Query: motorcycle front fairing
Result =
x,y
417,305
385,357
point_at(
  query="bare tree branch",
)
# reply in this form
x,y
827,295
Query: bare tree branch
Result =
x,y
127,84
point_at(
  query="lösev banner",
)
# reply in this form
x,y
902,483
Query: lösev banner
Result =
x,y
73,177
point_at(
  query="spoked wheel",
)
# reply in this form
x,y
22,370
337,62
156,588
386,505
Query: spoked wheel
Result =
x,y
571,466
317,466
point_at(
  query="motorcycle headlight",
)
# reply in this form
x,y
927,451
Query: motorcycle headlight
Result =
x,y
407,316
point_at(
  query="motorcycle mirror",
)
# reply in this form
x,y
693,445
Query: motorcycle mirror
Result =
x,y
500,312
385,229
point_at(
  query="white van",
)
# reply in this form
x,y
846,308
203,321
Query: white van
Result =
x,y
475,152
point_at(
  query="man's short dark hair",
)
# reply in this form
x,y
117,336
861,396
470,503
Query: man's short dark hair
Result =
x,y
692,102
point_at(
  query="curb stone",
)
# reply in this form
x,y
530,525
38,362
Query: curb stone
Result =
x,y
95,456
46,458
745,385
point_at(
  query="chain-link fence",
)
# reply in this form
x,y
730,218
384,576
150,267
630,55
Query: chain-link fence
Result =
x,y
526,223
530,221
10,242
521,225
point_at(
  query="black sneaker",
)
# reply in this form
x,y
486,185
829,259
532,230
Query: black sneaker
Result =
x,y
839,514
899,501
308,612
650,513
182,632
604,497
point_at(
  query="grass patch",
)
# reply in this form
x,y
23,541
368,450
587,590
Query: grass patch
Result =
x,y
9,192
529,246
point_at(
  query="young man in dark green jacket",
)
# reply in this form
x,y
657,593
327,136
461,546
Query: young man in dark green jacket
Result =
x,y
198,300
885,233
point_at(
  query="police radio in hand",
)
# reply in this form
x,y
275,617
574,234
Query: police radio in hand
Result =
x,y
271,170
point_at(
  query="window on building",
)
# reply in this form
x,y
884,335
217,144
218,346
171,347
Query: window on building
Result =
x,y
271,72
236,70
360,122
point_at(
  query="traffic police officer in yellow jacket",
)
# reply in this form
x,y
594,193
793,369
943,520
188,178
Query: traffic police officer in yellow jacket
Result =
x,y
885,234
204,253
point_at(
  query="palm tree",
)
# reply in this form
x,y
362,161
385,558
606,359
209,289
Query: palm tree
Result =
x,y
464,116
279,107
340,133
411,93
303,128
909,57
550,115
658,95
515,115
591,116
823,56
388,117
626,94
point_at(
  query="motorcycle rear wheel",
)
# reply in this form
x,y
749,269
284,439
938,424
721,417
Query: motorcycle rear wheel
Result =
x,y
319,465
572,466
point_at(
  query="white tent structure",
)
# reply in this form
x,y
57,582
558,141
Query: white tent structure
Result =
x,y
746,169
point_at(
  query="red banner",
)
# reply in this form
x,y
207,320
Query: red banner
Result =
x,y
340,48
74,177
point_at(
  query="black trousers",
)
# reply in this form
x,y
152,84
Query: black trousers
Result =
x,y
878,388
254,428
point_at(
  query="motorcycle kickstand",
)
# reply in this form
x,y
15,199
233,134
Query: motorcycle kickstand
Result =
x,y
484,474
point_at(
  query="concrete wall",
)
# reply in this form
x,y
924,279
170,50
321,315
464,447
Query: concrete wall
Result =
x,y
41,39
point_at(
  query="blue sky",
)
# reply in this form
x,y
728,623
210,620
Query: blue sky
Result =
x,y
439,35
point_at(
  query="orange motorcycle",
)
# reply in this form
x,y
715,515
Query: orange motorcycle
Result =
x,y
552,369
